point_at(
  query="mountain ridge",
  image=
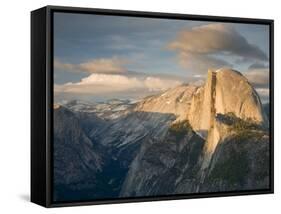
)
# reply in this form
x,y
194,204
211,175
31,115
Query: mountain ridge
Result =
x,y
172,141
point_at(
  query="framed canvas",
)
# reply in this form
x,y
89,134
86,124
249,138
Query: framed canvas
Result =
x,y
133,106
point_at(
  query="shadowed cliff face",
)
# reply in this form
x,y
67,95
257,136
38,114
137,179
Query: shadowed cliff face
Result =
x,y
160,164
188,139
76,158
240,162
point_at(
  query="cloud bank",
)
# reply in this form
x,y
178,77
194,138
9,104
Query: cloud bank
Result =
x,y
97,84
102,65
203,47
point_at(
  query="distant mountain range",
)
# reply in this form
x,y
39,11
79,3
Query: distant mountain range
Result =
x,y
188,139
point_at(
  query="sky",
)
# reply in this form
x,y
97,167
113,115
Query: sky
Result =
x,y
99,57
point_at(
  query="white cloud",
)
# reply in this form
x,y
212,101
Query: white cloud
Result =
x,y
157,84
96,84
263,91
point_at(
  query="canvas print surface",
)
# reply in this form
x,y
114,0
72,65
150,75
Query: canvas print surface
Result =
x,y
158,107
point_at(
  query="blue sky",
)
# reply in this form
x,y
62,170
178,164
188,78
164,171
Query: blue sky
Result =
x,y
145,52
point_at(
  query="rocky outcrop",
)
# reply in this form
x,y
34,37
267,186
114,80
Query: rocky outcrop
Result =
x,y
225,91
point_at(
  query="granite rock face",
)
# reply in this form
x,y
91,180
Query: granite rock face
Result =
x,y
225,91
187,139
225,119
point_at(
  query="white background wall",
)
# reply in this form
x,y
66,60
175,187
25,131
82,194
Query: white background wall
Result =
x,y
15,99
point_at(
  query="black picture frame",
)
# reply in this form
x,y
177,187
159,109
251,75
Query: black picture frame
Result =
x,y
42,102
